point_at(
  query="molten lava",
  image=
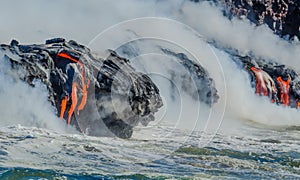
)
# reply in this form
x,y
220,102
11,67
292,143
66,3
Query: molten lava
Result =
x,y
265,86
284,90
75,88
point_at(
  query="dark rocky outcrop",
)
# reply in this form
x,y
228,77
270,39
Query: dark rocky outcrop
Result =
x,y
282,16
279,82
99,96
205,90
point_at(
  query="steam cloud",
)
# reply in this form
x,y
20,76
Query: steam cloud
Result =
x,y
33,21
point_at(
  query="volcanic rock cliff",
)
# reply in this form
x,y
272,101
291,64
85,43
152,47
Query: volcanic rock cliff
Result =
x,y
282,16
99,96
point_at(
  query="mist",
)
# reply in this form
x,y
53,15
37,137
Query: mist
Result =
x,y
24,105
241,35
192,27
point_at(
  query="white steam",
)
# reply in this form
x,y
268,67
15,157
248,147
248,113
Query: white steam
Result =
x,y
239,34
24,105
33,21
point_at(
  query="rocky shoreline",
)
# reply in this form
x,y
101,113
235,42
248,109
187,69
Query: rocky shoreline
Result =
x,y
282,16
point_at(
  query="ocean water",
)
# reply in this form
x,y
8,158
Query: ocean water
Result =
x,y
34,153
243,136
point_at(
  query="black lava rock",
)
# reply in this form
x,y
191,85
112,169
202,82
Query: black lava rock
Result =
x,y
101,97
